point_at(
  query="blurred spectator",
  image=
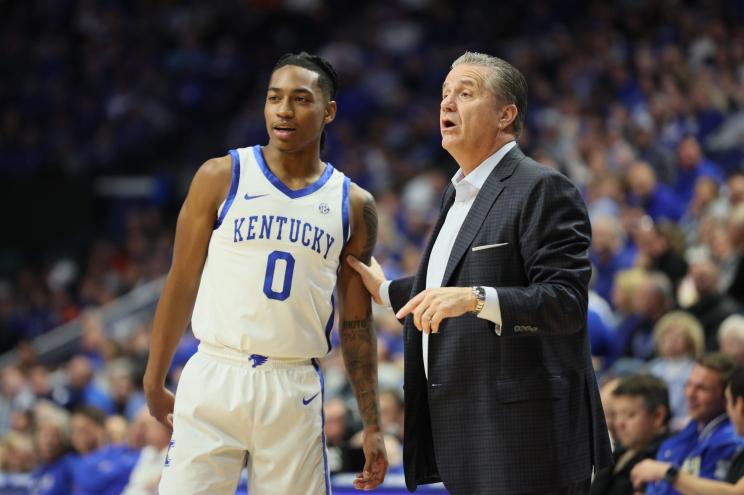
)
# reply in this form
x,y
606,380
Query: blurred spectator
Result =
x,y
608,405
87,433
626,285
601,340
641,405
709,441
706,203
341,456
17,454
14,396
608,253
735,186
146,473
731,337
693,484
679,342
651,151
81,390
53,476
736,235
692,166
655,251
40,383
101,468
712,306
115,429
652,301
657,199
126,399
391,413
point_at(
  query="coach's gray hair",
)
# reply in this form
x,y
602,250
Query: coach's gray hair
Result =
x,y
504,80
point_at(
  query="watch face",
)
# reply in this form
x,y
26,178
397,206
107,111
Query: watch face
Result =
x,y
671,474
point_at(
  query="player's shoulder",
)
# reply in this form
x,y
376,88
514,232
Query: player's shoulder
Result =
x,y
214,173
215,168
359,198
211,181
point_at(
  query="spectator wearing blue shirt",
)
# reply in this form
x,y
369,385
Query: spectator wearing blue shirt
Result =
x,y
99,468
608,253
601,340
53,476
657,199
81,389
691,165
709,442
104,471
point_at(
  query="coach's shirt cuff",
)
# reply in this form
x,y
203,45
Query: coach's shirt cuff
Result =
x,y
385,294
491,309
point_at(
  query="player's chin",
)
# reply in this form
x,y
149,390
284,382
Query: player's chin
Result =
x,y
289,144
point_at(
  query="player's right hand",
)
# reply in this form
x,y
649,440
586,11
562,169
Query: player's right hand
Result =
x,y
160,401
372,275
375,461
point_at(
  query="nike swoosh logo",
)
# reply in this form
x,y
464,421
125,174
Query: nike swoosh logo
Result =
x,y
249,197
308,401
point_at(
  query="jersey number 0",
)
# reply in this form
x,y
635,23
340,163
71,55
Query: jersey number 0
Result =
x,y
274,256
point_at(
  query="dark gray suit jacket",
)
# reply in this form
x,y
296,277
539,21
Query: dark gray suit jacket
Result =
x,y
514,409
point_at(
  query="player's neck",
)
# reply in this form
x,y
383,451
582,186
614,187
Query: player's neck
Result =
x,y
303,164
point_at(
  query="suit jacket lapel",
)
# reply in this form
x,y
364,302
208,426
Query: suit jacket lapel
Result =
x,y
479,211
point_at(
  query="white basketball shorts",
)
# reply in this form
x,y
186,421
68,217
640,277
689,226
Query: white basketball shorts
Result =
x,y
234,409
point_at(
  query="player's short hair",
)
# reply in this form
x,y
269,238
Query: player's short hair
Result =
x,y
653,390
504,80
327,78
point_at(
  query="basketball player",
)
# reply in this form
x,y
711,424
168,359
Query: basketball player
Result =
x,y
256,256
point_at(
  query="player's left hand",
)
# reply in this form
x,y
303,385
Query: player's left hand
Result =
x,y
375,461
431,306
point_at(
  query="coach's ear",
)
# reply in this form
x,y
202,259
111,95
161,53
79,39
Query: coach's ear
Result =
x,y
330,112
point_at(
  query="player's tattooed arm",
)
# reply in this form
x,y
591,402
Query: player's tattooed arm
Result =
x,y
358,337
369,213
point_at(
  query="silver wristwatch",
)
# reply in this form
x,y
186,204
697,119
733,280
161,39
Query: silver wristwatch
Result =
x,y
480,296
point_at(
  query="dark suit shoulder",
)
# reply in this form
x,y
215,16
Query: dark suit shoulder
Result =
x,y
529,168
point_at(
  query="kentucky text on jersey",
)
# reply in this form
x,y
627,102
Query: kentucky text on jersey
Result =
x,y
273,227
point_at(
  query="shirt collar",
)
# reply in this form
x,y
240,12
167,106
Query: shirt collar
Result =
x,y
712,425
465,186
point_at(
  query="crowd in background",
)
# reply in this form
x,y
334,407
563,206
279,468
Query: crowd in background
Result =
x,y
641,104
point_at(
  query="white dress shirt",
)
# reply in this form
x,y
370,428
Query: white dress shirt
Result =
x,y
466,189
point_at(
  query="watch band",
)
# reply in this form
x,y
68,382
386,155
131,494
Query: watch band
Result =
x,y
671,474
480,297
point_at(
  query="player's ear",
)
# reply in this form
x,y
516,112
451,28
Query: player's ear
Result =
x,y
330,112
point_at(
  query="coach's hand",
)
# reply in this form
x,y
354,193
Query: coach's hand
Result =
x,y
431,306
375,460
372,275
160,401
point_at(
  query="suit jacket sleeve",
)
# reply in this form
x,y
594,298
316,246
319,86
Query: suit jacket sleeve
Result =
x,y
554,238
400,292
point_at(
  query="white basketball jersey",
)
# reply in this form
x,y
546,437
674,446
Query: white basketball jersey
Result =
x,y
268,281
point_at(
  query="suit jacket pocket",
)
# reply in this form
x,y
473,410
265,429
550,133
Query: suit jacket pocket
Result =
x,y
539,387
